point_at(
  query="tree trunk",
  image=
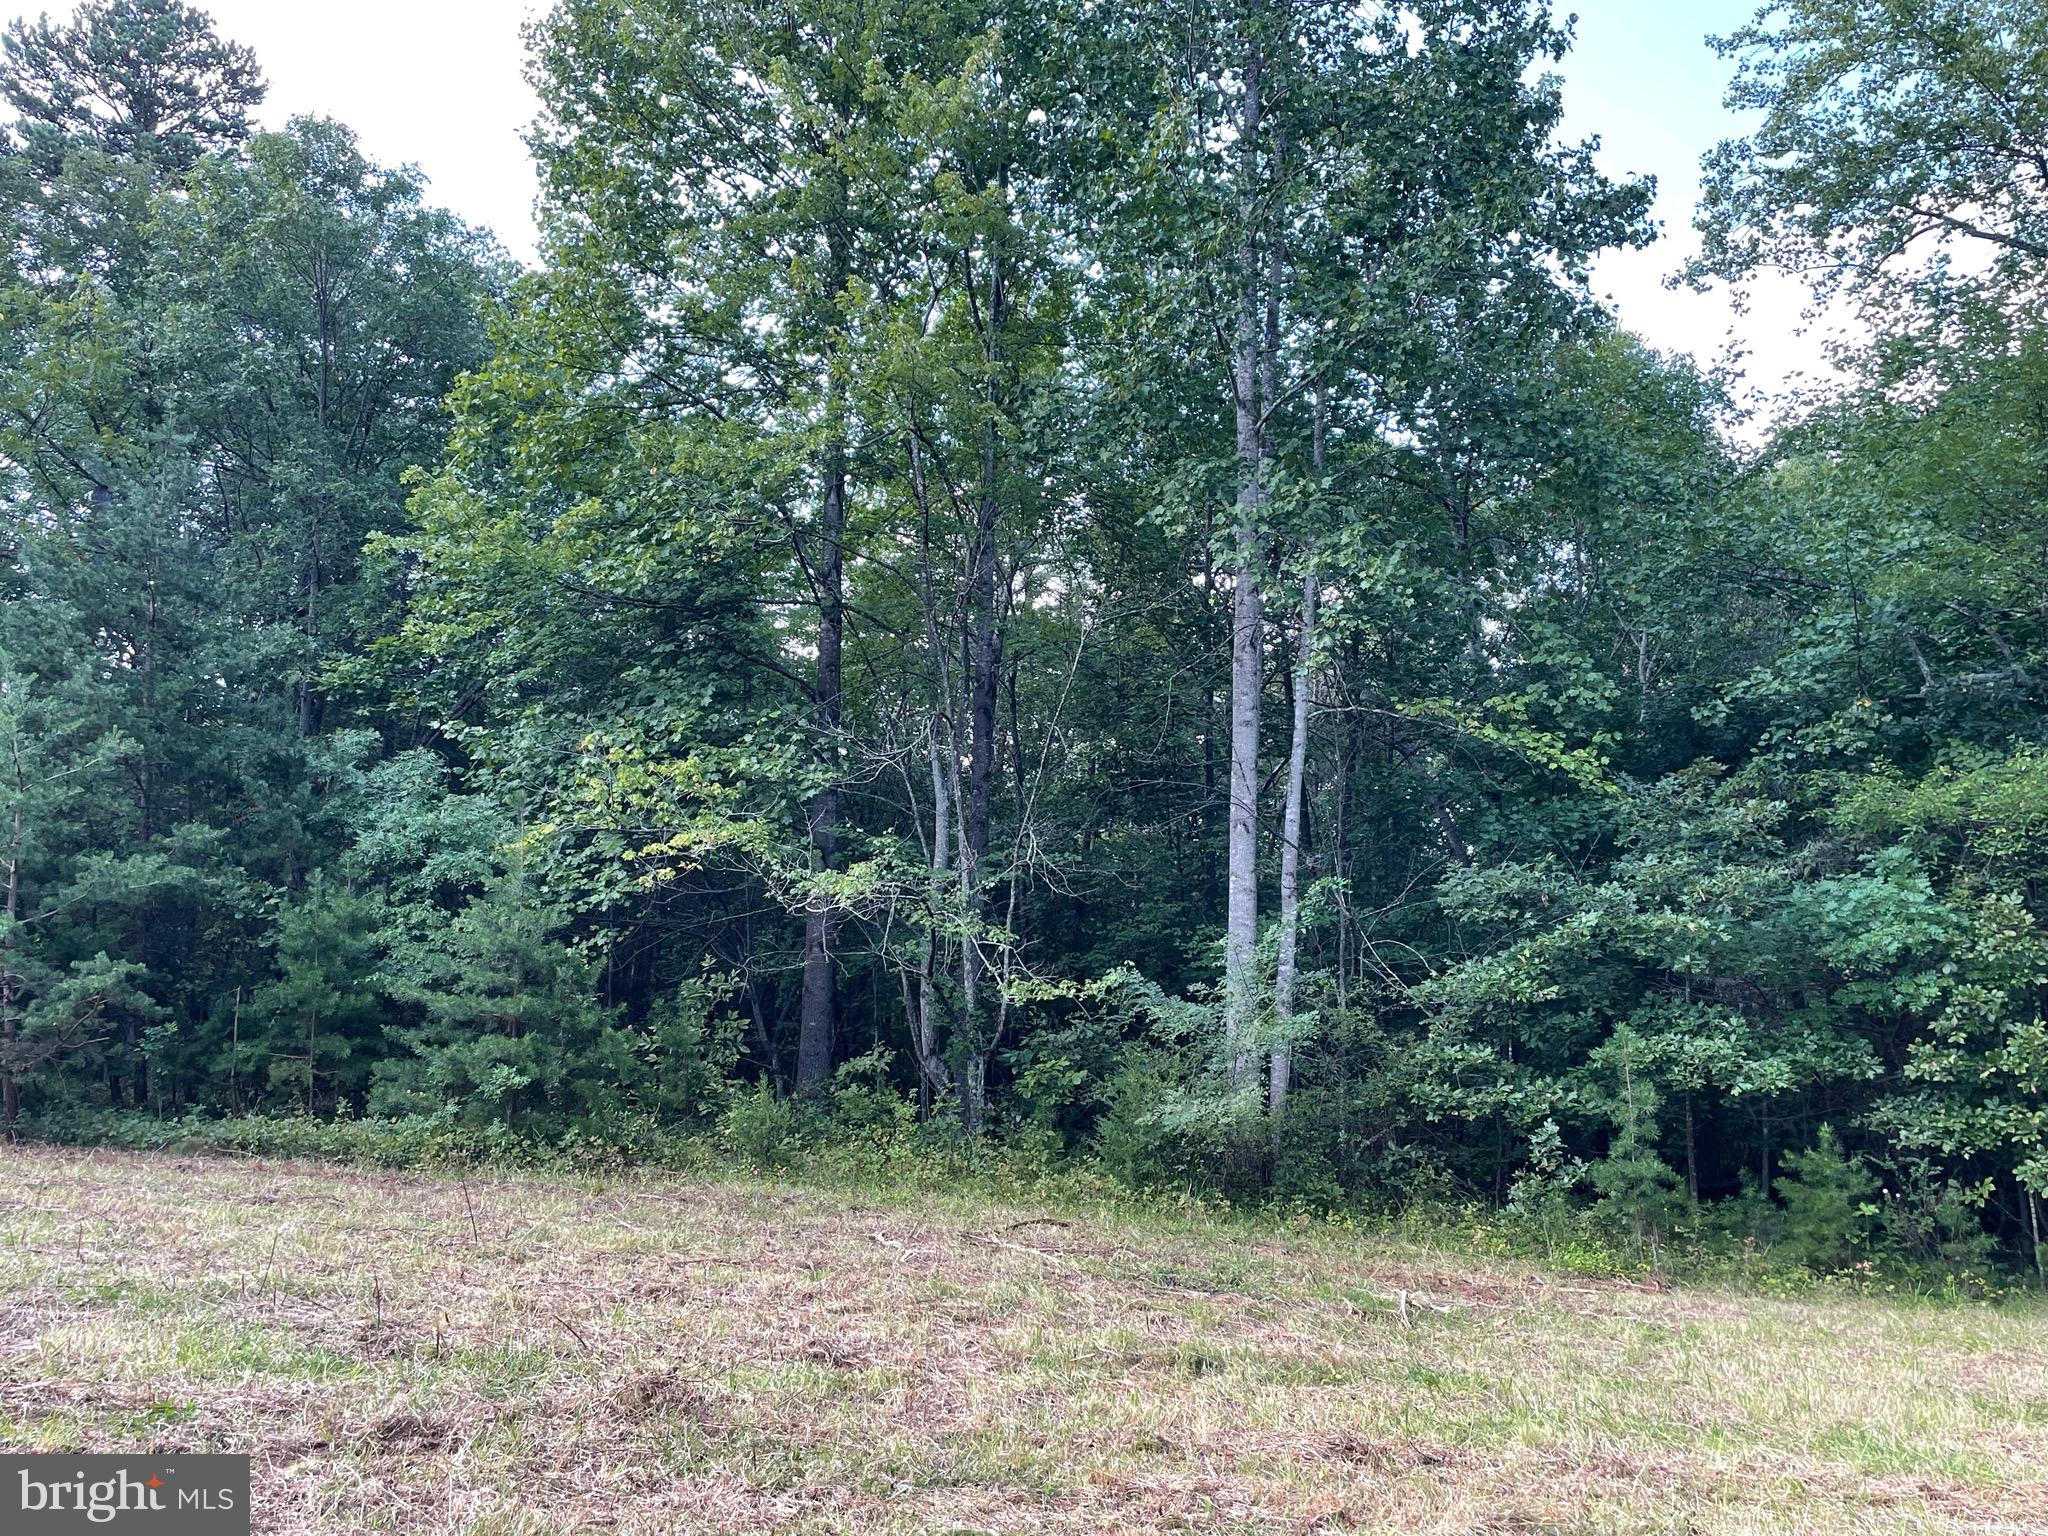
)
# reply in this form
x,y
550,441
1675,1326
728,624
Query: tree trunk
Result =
x,y
323,301
1241,929
1212,887
10,1092
819,1016
981,671
1410,757
1290,863
935,1078
974,1093
935,1081
1281,1077
1692,1160
10,990
2034,1227
235,1057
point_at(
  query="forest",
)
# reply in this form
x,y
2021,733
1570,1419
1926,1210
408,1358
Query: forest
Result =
x,y
1083,583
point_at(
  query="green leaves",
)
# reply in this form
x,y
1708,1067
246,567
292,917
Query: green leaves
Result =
x,y
141,79
1897,157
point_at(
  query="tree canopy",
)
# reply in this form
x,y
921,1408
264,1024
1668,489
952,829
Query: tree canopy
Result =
x,y
1091,575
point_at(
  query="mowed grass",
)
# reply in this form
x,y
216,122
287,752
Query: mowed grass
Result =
x,y
428,1354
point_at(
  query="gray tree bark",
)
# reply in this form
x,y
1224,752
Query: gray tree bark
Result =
x,y
1290,863
981,667
10,1093
1281,1075
819,1018
1241,923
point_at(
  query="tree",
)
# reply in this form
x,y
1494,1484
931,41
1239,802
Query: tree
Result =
x,y
316,1027
136,79
1827,1204
1902,157
731,252
335,308
1386,194
224,356
511,1035
49,762
857,587
91,1004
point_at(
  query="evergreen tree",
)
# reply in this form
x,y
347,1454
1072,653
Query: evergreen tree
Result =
x,y
1827,1204
135,79
511,1035
315,1029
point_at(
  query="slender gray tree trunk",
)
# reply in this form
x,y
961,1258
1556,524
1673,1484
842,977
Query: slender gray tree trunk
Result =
x,y
2034,1228
1290,865
1280,1077
935,1081
1247,669
819,1017
948,823
10,1093
982,666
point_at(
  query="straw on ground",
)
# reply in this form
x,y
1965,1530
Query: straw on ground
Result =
x,y
429,1354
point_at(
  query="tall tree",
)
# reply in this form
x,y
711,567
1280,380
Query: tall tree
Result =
x,y
1383,188
1901,159
733,247
138,79
177,460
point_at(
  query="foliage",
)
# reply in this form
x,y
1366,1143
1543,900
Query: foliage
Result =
x,y
1827,1200
141,78
509,1033
797,677
314,1027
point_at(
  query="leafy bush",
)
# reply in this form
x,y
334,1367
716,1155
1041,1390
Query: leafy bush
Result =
x,y
865,1098
1541,1195
687,1056
1935,1222
761,1130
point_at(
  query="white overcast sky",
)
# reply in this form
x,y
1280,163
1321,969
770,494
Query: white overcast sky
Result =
x,y
439,83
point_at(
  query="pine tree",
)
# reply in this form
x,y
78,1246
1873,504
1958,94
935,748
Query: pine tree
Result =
x,y
316,1028
511,1034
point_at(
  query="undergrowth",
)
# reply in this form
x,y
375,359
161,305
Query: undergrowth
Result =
x,y
895,1160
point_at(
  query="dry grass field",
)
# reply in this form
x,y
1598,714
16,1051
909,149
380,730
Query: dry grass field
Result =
x,y
424,1354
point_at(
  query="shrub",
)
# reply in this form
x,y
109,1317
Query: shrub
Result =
x,y
865,1098
1541,1196
1935,1222
762,1131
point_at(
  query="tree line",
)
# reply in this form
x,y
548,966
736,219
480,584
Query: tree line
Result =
x,y
1092,575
